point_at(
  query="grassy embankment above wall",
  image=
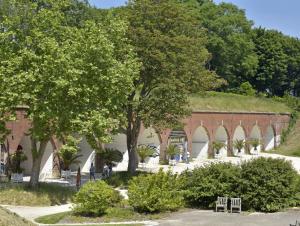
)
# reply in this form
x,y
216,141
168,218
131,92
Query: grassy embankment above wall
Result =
x,y
216,101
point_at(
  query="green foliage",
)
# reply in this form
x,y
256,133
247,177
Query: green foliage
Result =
x,y
68,152
144,152
268,184
239,145
155,192
171,48
254,143
246,89
94,198
218,145
203,185
121,179
229,41
110,155
16,159
73,79
45,194
172,150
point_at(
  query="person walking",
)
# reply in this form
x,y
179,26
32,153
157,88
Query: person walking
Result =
x,y
92,172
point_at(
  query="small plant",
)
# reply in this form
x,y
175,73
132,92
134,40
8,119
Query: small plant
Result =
x,y
255,143
218,145
239,145
68,152
172,151
94,198
144,152
111,155
155,192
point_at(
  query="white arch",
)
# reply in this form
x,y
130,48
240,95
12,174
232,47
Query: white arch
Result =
x,y
269,139
239,134
221,135
87,158
119,142
47,159
200,143
255,134
151,138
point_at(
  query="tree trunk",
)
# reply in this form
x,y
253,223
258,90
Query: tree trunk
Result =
x,y
132,132
36,162
99,163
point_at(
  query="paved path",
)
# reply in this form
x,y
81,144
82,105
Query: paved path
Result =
x,y
210,218
30,213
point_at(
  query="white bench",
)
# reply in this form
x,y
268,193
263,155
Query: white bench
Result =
x,y
236,203
221,203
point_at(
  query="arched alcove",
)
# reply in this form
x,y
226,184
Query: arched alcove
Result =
x,y
87,156
238,135
200,143
178,137
269,141
119,142
47,159
149,137
255,135
222,136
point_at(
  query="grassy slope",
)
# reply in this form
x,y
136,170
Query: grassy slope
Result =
x,y
213,101
292,145
10,219
45,195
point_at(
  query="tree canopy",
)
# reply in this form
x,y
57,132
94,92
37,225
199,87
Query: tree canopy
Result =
x,y
72,78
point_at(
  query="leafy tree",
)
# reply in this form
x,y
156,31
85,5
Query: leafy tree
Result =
x,y
171,48
272,68
71,78
229,41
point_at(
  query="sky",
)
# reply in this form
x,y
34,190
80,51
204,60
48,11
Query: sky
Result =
x,y
282,15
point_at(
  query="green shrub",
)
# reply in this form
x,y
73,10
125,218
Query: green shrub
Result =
x,y
155,192
203,185
121,179
268,184
94,198
247,89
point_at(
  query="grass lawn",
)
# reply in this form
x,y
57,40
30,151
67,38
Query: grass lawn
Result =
x,y
45,195
116,214
217,101
10,219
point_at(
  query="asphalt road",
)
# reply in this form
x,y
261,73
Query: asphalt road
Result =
x,y
210,218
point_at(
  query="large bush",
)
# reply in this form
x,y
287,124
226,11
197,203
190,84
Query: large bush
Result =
x,y
268,184
203,185
94,198
155,192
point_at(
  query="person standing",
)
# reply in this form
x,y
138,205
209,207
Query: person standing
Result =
x,y
187,157
92,172
78,179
